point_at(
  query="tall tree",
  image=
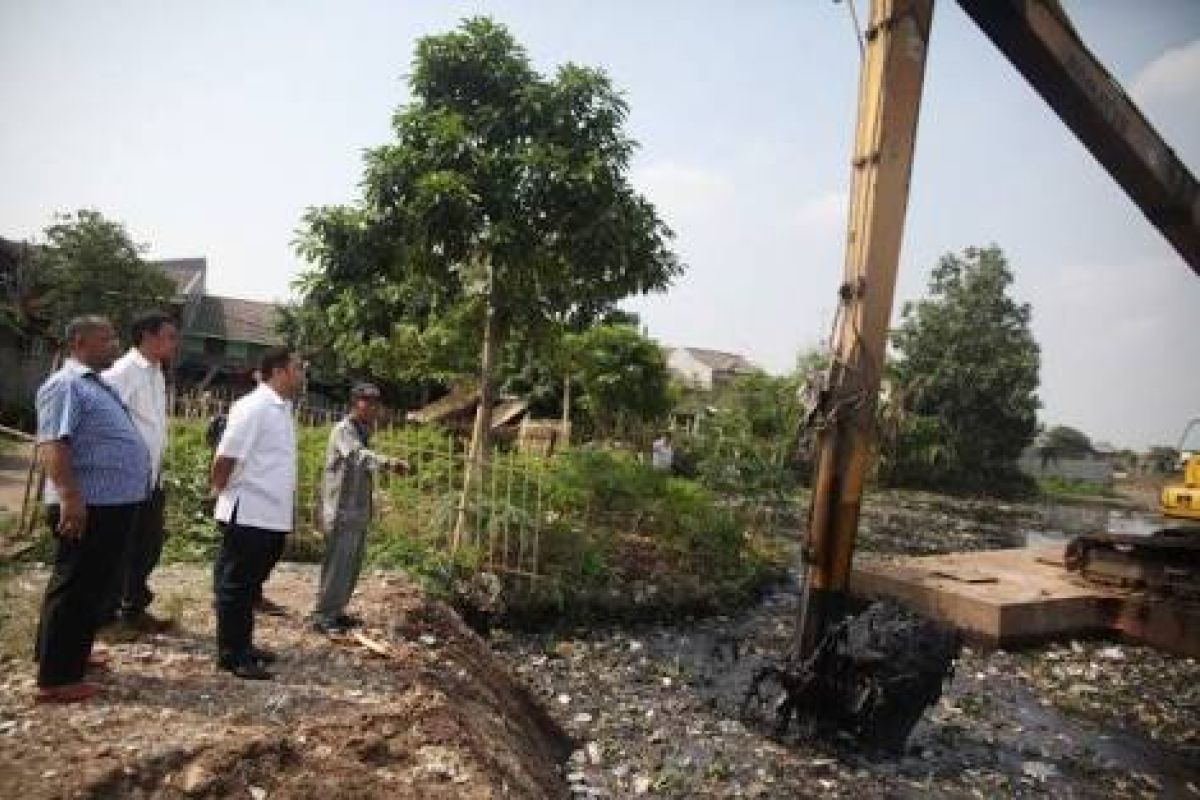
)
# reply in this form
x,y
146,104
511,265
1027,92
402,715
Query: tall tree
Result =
x,y
503,190
966,375
90,265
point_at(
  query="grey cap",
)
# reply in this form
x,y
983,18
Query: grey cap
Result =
x,y
364,390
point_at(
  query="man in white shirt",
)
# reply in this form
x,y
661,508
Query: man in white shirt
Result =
x,y
138,380
662,454
254,483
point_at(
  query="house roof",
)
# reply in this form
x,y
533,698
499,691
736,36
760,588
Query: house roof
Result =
x,y
504,411
235,320
447,405
188,273
9,252
721,361
507,411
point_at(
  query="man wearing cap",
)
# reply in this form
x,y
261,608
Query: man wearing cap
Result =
x,y
346,488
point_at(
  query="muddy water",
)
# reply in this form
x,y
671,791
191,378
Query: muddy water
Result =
x,y
1060,522
655,711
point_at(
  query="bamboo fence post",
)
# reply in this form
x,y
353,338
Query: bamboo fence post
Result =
x,y
450,487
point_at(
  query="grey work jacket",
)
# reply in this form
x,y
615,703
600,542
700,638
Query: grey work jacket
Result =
x,y
348,479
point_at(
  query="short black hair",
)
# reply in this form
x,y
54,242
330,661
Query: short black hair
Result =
x,y
148,323
274,358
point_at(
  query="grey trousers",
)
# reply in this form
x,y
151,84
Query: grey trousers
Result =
x,y
339,571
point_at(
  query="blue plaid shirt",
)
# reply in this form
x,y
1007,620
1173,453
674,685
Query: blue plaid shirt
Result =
x,y
109,459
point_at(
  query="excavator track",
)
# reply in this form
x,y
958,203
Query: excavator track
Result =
x,y
1165,563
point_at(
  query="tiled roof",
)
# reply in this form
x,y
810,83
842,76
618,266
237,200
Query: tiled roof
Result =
x,y
235,320
188,273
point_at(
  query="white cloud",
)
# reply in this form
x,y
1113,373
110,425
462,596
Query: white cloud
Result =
x,y
1174,75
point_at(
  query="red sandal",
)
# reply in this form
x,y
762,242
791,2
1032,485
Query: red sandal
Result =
x,y
69,693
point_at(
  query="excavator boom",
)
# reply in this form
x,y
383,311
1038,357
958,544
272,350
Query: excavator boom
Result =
x,y
1039,40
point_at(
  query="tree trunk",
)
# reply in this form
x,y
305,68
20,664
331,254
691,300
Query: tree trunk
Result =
x,y
481,433
565,426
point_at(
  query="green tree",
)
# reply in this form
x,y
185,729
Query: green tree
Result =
x,y
92,266
23,290
622,377
504,198
1062,441
966,378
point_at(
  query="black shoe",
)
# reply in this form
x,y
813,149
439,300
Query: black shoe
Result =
x,y
269,607
328,628
262,655
348,621
145,622
245,668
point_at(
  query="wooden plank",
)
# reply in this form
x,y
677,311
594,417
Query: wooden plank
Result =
x,y
1031,598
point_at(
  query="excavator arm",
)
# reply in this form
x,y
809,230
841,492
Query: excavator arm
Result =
x,y
1039,40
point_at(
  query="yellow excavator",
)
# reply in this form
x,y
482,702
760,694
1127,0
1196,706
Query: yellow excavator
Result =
x,y
873,672
1182,500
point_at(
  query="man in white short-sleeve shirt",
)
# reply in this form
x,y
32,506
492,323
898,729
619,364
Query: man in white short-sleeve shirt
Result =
x,y
137,377
254,483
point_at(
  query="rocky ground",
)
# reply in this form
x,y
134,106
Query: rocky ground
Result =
x,y
650,710
421,710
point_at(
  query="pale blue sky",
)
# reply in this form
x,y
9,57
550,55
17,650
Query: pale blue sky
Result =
x,y
208,127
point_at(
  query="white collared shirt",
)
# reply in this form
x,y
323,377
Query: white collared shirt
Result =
x,y
143,389
261,436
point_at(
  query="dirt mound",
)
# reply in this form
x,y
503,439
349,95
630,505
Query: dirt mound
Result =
x,y
414,707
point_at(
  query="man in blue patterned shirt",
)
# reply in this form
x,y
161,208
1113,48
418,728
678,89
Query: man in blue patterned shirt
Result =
x,y
98,472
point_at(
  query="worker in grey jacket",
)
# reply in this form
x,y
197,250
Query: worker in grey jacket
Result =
x,y
346,488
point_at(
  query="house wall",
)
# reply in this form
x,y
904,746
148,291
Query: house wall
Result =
x,y
22,370
1092,469
234,359
690,369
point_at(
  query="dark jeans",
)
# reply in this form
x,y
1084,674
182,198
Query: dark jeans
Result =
x,y
129,595
244,561
83,572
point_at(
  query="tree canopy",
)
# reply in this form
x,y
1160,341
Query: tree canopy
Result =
x,y
87,265
1063,441
502,191
965,377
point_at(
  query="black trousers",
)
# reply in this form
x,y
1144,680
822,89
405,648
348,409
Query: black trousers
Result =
x,y
84,569
129,595
246,558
